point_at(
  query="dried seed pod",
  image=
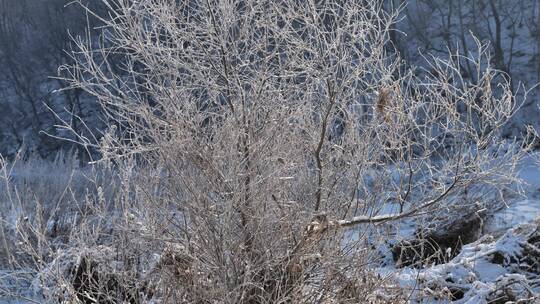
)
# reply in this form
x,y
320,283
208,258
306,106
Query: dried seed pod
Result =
x,y
383,101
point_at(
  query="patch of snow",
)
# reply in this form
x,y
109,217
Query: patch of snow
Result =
x,y
530,172
518,212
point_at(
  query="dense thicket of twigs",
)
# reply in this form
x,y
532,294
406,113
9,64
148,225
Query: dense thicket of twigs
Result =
x,y
247,136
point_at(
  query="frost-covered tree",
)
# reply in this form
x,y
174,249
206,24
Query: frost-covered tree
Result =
x,y
250,136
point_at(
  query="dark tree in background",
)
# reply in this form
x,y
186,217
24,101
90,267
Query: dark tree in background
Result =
x,y
33,38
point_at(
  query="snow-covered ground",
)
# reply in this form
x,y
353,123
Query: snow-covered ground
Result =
x,y
485,271
503,266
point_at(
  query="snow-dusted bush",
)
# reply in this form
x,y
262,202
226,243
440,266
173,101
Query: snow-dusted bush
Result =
x,y
248,135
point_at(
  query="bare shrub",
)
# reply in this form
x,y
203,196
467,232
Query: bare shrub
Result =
x,y
248,135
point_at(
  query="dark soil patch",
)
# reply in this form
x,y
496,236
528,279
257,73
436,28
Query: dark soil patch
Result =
x,y
439,246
